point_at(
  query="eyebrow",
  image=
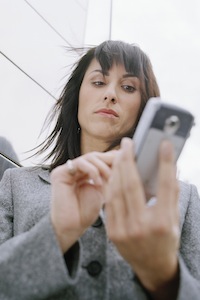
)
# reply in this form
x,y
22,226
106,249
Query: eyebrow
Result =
x,y
129,75
100,71
107,73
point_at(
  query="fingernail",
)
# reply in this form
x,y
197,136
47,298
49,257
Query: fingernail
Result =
x,y
90,181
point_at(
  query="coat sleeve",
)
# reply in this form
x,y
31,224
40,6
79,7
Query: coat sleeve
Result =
x,y
190,247
31,263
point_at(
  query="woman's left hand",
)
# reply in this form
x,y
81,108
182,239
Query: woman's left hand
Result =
x,y
146,236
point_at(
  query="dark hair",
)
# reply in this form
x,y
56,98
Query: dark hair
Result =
x,y
65,136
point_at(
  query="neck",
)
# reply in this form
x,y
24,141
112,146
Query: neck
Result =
x,y
89,145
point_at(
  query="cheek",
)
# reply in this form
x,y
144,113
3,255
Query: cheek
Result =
x,y
80,106
132,112
81,112
85,106
85,97
81,97
82,102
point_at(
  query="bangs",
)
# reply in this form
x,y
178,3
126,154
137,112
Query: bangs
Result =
x,y
118,52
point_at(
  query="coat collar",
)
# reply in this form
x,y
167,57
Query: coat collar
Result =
x,y
44,174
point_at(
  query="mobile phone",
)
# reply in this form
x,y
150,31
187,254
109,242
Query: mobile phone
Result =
x,y
159,121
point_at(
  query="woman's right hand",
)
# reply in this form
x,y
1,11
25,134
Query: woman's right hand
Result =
x,y
77,198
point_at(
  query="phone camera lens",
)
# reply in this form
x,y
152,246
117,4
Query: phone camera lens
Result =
x,y
172,124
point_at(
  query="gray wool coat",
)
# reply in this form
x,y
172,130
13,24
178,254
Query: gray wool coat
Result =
x,y
33,267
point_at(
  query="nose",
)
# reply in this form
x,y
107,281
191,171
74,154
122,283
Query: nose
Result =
x,y
113,100
110,95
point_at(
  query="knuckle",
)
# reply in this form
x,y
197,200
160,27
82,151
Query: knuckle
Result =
x,y
118,238
162,228
136,233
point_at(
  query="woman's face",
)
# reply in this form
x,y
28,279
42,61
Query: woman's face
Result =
x,y
108,103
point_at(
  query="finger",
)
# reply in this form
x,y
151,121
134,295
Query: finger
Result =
x,y
107,157
95,164
126,198
131,182
83,170
103,161
92,166
88,170
167,184
114,204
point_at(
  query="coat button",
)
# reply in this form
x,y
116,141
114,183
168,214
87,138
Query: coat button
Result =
x,y
94,268
97,223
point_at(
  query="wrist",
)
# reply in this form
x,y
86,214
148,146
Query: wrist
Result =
x,y
162,285
66,237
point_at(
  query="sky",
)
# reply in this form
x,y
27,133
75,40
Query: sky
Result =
x,y
168,31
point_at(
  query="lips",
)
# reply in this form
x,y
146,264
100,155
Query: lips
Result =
x,y
107,112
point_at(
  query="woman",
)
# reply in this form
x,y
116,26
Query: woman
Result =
x,y
82,229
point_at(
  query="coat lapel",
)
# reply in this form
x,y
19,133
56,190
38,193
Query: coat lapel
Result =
x,y
44,175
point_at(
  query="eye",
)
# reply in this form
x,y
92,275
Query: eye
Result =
x,y
98,83
129,88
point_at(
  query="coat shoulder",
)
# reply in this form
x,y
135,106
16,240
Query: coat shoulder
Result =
x,y
188,197
24,174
